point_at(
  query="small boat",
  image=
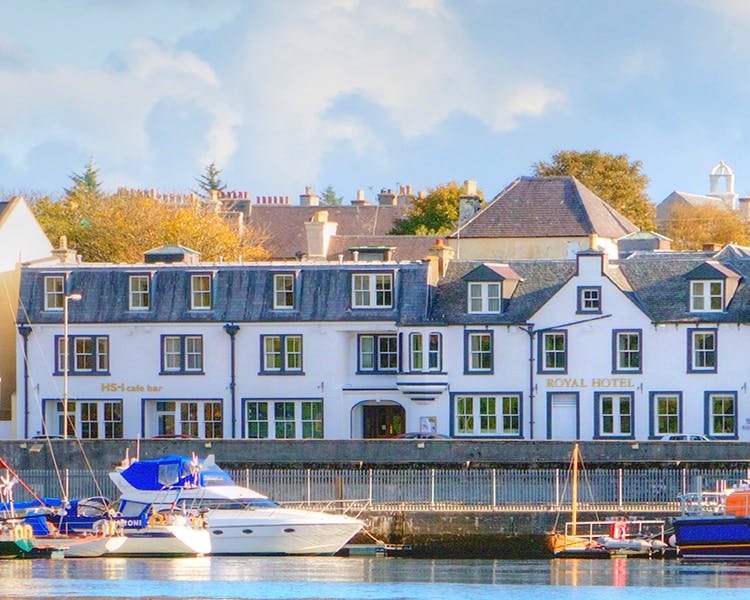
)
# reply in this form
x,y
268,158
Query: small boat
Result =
x,y
714,525
239,520
615,537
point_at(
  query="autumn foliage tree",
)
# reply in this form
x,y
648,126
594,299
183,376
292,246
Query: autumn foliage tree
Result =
x,y
121,227
614,178
691,227
435,214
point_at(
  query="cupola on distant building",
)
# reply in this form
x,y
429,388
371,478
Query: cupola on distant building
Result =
x,y
721,195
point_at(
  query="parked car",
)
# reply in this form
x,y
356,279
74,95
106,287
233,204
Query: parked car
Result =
x,y
418,435
685,437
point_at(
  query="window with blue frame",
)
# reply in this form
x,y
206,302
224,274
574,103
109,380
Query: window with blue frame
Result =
x,y
284,419
553,350
487,414
666,408
181,354
425,356
626,351
702,351
721,409
281,354
478,352
589,299
87,354
377,353
614,414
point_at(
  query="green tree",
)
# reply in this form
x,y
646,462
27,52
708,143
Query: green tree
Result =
x,y
85,184
210,180
690,227
614,178
329,197
435,214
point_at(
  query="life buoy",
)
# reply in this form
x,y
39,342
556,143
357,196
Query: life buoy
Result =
x,y
618,530
157,519
18,532
28,532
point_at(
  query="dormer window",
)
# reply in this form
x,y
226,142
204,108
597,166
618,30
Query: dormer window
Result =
x,y
54,286
372,290
707,296
200,292
485,297
138,292
283,291
488,287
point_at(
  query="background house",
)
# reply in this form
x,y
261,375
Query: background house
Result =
x,y
21,240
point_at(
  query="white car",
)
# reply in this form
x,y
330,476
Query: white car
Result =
x,y
685,437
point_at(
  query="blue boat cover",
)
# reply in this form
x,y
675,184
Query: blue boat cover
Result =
x,y
174,472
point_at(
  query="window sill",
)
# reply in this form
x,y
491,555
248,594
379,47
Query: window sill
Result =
x,y
394,372
281,373
182,372
487,372
82,374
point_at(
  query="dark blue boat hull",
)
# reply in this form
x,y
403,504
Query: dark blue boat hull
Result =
x,y
713,538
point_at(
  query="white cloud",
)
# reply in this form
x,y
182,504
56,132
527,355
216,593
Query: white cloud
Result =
x,y
412,61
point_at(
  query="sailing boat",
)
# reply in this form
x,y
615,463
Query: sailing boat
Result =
x,y
603,538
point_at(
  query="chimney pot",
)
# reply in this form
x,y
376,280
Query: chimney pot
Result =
x,y
471,187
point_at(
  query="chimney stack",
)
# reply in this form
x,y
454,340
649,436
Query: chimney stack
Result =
x,y
309,198
386,198
360,201
469,202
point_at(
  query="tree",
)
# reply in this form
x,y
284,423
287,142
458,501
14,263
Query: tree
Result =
x,y
210,180
121,227
435,214
616,180
329,197
86,183
690,227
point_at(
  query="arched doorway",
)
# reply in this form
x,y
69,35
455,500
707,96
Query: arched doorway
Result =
x,y
381,419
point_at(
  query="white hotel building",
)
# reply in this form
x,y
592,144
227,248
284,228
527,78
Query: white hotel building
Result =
x,y
579,348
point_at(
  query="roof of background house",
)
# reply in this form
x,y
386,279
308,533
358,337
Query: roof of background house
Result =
x,y
284,223
3,206
694,199
546,207
241,293
405,247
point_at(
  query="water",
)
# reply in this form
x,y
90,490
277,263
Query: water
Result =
x,y
369,578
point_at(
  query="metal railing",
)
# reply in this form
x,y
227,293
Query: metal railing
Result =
x,y
441,489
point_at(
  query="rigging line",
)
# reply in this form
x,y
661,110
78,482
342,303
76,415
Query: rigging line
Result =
x,y
22,306
44,419
588,486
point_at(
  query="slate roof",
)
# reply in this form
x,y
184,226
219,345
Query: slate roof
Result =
x,y
3,206
663,288
285,224
546,207
540,280
242,293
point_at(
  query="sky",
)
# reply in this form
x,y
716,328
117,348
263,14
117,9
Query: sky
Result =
x,y
368,94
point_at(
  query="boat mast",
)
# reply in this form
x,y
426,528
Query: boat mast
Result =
x,y
574,507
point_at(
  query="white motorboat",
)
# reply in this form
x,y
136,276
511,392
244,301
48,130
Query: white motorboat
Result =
x,y
239,520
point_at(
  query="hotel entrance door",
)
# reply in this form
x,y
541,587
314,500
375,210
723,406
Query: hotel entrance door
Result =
x,y
383,421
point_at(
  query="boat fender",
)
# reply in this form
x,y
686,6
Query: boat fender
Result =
x,y
618,530
22,532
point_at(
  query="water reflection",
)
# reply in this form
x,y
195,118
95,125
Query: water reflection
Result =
x,y
360,577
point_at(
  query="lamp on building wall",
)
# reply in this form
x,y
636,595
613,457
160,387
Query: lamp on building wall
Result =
x,y
75,297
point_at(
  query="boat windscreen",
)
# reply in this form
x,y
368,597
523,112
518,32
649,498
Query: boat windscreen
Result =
x,y
216,479
236,504
130,508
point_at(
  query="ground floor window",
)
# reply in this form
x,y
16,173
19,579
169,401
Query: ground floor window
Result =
x,y
194,418
283,419
487,414
614,415
721,408
666,409
88,419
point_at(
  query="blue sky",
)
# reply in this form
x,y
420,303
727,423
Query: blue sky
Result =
x,y
368,94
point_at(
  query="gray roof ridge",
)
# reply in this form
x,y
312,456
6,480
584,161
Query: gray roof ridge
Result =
x,y
621,220
497,197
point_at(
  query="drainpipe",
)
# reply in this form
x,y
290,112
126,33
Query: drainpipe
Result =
x,y
529,329
25,331
232,330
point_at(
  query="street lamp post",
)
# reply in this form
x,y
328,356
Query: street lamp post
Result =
x,y
75,296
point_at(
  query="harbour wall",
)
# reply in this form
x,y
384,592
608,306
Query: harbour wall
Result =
x,y
78,454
